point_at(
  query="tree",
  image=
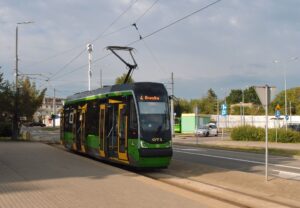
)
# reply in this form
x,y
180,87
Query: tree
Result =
x,y
251,96
236,96
30,99
182,106
6,97
293,95
121,79
208,104
211,95
205,105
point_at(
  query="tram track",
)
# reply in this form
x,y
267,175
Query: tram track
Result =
x,y
212,191
226,195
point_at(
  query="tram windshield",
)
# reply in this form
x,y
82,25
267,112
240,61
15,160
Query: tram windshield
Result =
x,y
153,108
154,119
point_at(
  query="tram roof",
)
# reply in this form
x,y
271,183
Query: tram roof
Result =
x,y
109,89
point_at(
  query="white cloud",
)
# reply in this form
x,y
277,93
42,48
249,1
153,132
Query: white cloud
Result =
x,y
232,43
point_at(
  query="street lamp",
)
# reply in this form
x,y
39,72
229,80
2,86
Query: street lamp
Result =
x,y
15,123
285,95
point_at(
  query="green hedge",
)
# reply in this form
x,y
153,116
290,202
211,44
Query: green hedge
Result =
x,y
250,133
5,129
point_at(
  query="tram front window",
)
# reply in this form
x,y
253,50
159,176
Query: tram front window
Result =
x,y
154,120
153,107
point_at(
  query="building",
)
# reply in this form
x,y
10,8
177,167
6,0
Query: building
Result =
x,y
190,122
47,109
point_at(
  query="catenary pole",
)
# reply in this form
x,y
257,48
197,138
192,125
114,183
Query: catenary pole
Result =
x,y
90,50
172,104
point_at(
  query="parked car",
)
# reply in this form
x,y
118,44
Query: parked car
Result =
x,y
294,126
207,130
36,124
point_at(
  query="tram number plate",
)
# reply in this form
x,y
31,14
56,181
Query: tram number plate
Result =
x,y
156,139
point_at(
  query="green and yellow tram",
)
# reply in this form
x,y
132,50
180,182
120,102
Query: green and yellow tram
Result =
x,y
126,123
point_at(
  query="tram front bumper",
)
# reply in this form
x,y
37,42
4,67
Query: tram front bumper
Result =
x,y
153,152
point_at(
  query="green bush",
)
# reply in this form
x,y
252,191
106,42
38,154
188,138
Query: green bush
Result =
x,y
5,129
247,133
284,136
250,133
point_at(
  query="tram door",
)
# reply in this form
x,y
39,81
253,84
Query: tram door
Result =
x,y
111,128
122,132
102,132
74,128
80,128
62,125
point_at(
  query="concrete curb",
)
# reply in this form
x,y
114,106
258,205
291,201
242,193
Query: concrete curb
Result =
x,y
230,196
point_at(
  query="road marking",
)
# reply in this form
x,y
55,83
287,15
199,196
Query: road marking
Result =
x,y
189,150
235,159
287,175
274,157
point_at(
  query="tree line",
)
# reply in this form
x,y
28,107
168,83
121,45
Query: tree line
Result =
x,y
29,99
236,100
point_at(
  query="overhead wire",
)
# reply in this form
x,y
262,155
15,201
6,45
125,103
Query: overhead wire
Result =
x,y
113,22
148,48
92,41
118,30
146,11
154,32
137,20
67,64
176,21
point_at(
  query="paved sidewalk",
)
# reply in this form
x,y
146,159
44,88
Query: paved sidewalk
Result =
x,y
36,175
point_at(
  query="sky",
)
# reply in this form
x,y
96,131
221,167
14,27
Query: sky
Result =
x,y
232,44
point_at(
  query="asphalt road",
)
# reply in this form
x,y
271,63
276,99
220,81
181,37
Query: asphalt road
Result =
x,y
284,167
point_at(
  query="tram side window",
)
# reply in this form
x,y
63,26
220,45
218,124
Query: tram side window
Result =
x,y
92,120
133,125
67,114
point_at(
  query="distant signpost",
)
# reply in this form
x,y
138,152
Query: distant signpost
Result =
x,y
277,113
264,95
224,110
224,113
286,117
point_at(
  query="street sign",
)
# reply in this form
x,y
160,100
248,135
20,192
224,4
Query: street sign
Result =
x,y
263,96
286,117
277,113
277,107
224,110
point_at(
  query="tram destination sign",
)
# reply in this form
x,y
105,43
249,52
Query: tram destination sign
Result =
x,y
149,98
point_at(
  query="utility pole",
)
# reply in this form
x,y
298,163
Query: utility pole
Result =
x,y
90,50
15,122
290,111
243,100
264,95
267,94
172,104
54,108
285,101
218,114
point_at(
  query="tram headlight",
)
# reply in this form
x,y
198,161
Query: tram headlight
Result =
x,y
143,144
170,143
